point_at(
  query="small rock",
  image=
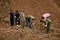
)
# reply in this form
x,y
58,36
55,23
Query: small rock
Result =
x,y
6,20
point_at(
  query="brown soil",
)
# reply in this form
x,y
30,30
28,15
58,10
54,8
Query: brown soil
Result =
x,y
35,8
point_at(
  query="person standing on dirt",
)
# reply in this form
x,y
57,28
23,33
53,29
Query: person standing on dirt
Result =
x,y
46,19
22,19
11,15
17,18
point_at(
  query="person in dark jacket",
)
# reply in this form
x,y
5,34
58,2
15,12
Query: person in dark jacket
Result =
x,y
11,15
17,18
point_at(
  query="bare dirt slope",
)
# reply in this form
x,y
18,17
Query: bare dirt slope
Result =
x,y
35,8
